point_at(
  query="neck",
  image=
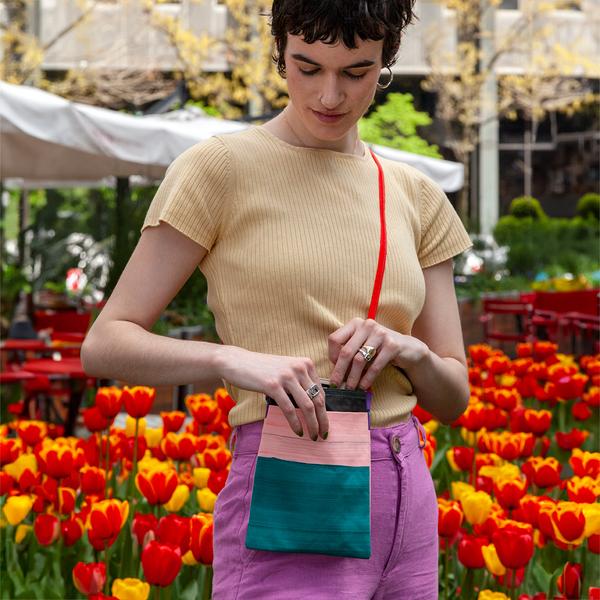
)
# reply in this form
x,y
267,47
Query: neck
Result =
x,y
289,127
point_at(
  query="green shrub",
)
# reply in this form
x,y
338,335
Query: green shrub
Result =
x,y
589,206
526,206
567,245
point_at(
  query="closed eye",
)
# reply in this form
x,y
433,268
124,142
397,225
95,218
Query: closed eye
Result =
x,y
346,73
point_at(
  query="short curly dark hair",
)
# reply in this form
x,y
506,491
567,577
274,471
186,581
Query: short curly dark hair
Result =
x,y
332,20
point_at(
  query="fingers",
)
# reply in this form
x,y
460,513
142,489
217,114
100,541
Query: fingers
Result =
x,y
321,411
310,408
288,410
359,365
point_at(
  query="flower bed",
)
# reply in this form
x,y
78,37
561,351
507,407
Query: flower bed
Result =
x,y
127,512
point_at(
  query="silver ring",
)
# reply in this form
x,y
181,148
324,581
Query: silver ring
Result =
x,y
313,391
368,352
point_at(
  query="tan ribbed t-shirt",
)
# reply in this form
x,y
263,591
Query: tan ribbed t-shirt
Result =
x,y
293,240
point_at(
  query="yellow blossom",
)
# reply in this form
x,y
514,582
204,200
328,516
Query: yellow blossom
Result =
x,y
492,562
591,512
178,499
490,595
201,475
17,508
130,589
206,499
476,506
130,426
153,437
459,488
24,462
188,559
21,532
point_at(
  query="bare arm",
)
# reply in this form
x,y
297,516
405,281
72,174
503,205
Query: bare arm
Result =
x,y
120,346
440,378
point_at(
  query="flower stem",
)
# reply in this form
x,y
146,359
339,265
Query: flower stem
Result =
x,y
107,461
446,573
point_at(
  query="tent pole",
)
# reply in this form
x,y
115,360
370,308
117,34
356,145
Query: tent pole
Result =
x,y
121,229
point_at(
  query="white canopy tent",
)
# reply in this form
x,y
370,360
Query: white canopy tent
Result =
x,y
47,139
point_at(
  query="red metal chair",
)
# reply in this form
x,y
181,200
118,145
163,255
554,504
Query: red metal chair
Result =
x,y
507,320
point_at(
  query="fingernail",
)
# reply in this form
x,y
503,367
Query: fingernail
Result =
x,y
299,434
325,435
314,439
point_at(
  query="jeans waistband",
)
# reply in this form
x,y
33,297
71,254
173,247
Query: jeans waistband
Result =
x,y
399,440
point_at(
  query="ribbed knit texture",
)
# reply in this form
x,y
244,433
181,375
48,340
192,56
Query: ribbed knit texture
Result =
x,y
293,240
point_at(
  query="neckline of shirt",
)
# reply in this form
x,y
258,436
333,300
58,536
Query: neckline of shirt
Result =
x,y
335,153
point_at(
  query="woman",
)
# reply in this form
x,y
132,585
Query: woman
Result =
x,y
283,220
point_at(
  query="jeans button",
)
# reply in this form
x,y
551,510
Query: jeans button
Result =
x,y
396,444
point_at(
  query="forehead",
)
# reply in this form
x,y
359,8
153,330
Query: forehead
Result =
x,y
335,54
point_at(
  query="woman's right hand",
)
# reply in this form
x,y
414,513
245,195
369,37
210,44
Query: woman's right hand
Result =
x,y
276,377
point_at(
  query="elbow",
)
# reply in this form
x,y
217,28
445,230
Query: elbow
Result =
x,y
89,356
459,406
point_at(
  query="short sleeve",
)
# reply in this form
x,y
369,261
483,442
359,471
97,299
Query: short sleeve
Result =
x,y
443,235
193,194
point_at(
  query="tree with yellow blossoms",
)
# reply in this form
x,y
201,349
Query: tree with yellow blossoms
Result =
x,y
553,78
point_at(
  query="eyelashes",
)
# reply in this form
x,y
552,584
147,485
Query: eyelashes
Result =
x,y
346,73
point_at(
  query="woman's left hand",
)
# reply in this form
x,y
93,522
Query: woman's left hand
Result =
x,y
392,347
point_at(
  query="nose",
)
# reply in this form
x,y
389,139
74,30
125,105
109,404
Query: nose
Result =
x,y
332,94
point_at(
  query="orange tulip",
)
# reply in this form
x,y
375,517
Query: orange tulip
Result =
x,y
65,500
537,421
215,459
568,522
108,401
450,517
509,492
172,421
32,432
202,407
201,538
544,472
178,446
583,489
138,400
585,463
105,520
506,399
478,353
57,460
157,486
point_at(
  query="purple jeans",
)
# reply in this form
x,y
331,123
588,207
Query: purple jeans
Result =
x,y
404,539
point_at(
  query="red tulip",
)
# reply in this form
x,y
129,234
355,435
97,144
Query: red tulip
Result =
x,y
7,483
461,458
581,411
568,522
570,387
93,481
64,502
544,472
89,578
127,446
161,563
569,581
72,529
514,544
509,492
138,400
594,543
32,432
141,525
108,401
57,460
469,551
94,420
537,421
46,529
10,449
174,530
201,538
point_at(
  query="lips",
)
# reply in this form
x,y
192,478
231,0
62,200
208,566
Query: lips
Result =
x,y
328,117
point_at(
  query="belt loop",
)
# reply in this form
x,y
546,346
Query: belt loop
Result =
x,y
233,439
420,432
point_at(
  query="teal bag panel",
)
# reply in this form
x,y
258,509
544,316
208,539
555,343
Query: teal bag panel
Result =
x,y
303,507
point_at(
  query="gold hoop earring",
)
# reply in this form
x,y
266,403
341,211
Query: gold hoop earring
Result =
x,y
388,82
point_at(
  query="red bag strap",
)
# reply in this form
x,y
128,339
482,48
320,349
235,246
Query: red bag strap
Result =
x,y
382,243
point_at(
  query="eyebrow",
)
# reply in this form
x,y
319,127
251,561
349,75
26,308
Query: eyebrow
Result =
x,y
362,63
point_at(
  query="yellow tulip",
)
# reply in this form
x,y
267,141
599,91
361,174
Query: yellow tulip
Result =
x,y
476,506
188,559
201,475
459,488
206,499
130,426
470,437
17,508
153,437
130,589
23,463
178,499
492,562
591,512
501,473
489,595
21,532
431,426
